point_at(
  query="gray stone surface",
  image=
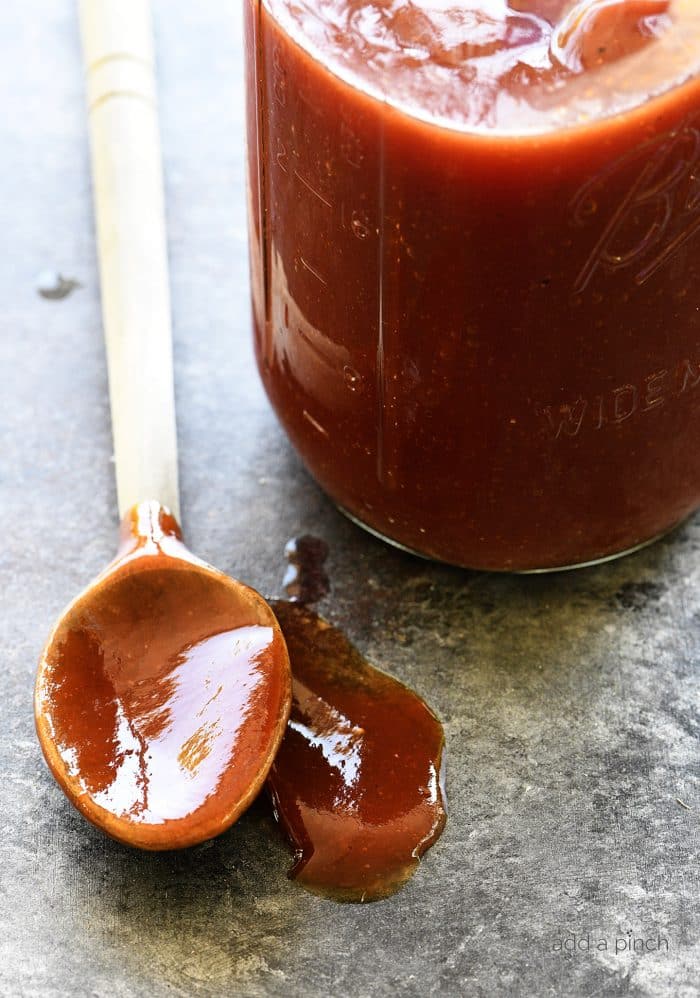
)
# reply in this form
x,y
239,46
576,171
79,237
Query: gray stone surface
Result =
x,y
570,702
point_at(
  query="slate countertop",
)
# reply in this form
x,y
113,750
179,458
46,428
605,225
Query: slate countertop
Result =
x,y
570,702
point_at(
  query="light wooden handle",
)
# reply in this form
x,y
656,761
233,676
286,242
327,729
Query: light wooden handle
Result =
x,y
130,220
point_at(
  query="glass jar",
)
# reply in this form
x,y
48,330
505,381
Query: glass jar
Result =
x,y
475,260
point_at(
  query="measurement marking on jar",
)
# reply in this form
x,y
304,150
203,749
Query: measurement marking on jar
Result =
x,y
279,77
316,425
313,190
311,270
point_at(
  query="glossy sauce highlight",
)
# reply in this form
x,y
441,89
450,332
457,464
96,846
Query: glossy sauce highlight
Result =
x,y
357,782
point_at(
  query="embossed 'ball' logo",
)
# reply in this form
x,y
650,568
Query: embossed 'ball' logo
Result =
x,y
658,215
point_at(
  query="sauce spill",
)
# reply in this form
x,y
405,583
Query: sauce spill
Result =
x,y
357,783
53,286
305,580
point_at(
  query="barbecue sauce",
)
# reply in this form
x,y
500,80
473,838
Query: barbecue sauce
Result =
x,y
357,782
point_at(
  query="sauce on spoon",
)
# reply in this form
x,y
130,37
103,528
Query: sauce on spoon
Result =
x,y
163,692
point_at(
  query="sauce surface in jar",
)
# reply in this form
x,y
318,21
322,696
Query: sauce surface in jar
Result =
x,y
475,247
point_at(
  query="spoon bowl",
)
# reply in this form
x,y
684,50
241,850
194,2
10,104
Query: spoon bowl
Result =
x,y
163,692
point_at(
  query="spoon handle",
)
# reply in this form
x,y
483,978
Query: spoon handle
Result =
x,y
131,237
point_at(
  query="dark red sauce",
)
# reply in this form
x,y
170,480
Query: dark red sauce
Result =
x,y
357,782
165,695
306,579
475,246
162,692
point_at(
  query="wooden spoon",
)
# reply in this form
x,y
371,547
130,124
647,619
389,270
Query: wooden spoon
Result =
x,y
164,690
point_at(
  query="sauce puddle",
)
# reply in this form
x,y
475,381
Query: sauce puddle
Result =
x,y
305,580
357,784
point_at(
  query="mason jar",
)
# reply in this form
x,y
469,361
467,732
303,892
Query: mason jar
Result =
x,y
475,266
